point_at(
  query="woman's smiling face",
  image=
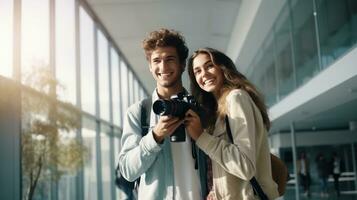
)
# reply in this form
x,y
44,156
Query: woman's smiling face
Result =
x,y
208,76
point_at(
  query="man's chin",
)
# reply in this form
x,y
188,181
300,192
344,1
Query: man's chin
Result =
x,y
168,84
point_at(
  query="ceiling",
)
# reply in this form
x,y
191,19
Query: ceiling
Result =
x,y
202,22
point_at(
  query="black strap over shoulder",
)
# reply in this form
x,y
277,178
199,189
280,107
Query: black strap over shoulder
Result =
x,y
256,187
124,185
145,115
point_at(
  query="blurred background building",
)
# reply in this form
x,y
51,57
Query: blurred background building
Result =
x,y
70,68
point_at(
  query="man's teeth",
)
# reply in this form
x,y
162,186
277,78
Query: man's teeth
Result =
x,y
165,74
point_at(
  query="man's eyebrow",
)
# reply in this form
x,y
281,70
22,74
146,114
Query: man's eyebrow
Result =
x,y
171,56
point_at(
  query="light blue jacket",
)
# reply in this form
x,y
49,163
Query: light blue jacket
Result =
x,y
143,157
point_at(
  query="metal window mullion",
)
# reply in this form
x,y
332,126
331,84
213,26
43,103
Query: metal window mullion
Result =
x,y
97,113
293,147
293,53
354,164
317,35
112,163
80,174
111,136
99,160
52,68
110,81
120,93
96,75
276,64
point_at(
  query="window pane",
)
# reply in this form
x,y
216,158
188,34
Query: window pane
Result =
x,y
6,37
87,62
136,90
124,87
65,50
131,86
116,157
115,87
107,169
286,80
264,71
34,36
33,146
306,56
90,167
103,71
337,32
67,182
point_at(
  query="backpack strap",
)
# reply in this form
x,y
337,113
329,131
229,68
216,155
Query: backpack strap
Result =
x,y
145,115
256,187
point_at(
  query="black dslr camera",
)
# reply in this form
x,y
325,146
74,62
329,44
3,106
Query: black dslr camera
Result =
x,y
177,106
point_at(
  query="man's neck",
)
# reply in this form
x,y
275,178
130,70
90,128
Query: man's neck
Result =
x,y
166,93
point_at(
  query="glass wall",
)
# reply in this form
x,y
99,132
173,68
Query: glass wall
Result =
x,y
65,50
284,54
35,35
337,32
6,38
107,169
116,102
117,148
103,71
306,37
125,87
87,62
305,41
90,181
65,155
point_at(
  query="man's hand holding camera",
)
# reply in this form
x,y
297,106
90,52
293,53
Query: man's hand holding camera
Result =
x,y
165,127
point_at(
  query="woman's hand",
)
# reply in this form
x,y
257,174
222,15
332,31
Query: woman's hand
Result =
x,y
193,124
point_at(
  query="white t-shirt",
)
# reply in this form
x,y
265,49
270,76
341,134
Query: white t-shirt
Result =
x,y
186,179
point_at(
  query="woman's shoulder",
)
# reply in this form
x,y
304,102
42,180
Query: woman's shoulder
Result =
x,y
237,95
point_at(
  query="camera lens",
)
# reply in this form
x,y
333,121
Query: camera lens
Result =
x,y
161,107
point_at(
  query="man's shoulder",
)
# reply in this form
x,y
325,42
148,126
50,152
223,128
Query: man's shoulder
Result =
x,y
135,108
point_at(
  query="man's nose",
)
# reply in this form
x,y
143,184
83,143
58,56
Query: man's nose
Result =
x,y
163,64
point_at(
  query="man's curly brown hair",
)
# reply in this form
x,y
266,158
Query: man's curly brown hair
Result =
x,y
166,38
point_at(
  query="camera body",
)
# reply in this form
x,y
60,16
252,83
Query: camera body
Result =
x,y
177,106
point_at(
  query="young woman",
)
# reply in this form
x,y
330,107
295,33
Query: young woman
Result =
x,y
223,91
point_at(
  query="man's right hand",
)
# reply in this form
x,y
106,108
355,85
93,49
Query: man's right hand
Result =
x,y
165,127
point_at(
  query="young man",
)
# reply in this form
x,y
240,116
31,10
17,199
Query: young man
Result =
x,y
167,169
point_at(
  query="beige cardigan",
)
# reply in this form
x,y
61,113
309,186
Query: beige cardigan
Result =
x,y
233,165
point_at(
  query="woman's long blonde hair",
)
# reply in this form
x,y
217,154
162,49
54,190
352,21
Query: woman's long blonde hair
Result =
x,y
233,79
